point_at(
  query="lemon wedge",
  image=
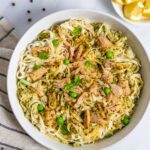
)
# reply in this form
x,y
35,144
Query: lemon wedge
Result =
x,y
133,11
119,2
129,1
123,2
146,10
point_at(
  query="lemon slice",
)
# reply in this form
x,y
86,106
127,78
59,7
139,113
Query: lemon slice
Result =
x,y
133,11
146,10
119,2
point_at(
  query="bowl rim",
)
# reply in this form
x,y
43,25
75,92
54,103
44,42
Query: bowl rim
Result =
x,y
19,119
114,5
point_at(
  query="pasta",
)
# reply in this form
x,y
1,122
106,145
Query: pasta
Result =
x,y
79,81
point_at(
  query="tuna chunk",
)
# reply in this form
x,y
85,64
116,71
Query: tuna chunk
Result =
x,y
107,76
109,64
117,90
86,120
37,91
66,43
76,64
113,99
70,49
81,99
79,52
104,42
76,71
95,118
125,86
67,98
61,83
94,89
38,73
49,117
77,89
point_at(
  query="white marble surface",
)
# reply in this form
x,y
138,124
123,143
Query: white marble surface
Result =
x,y
139,138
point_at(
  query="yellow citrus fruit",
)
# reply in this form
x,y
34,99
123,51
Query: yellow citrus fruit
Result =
x,y
129,1
133,11
119,1
146,10
123,2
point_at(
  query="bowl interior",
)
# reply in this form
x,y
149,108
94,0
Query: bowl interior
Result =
x,y
46,23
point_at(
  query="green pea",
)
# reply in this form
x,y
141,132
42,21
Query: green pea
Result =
x,y
77,31
69,86
36,67
44,35
64,129
126,120
66,61
88,63
73,94
24,82
60,120
109,54
107,90
40,107
55,42
77,80
43,55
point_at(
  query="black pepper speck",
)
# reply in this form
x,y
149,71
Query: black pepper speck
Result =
x,y
28,11
29,20
43,9
13,4
31,1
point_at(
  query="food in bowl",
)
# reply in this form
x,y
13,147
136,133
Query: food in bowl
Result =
x,y
135,10
79,81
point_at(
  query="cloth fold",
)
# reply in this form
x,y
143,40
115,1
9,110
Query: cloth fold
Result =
x,y
12,136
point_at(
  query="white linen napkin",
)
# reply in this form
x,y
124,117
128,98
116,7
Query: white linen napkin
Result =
x,y
12,136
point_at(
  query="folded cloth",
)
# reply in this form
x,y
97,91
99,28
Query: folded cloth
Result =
x,y
12,136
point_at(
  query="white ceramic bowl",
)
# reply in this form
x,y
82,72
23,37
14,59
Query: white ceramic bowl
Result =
x,y
118,9
46,23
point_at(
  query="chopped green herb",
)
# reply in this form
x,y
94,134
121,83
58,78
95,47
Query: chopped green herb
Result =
x,y
77,31
73,94
107,90
36,67
77,140
40,108
55,42
103,62
109,54
66,61
69,86
126,120
109,134
43,55
114,81
77,80
64,129
24,82
60,120
88,63
44,35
